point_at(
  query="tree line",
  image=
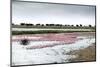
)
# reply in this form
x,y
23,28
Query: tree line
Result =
x,y
54,25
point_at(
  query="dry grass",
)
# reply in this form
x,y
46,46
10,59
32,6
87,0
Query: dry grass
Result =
x,y
87,54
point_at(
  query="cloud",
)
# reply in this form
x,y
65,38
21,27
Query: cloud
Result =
x,y
52,13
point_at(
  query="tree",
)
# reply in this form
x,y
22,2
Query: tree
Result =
x,y
47,24
37,24
72,25
51,24
57,24
68,25
77,25
90,25
80,25
22,24
42,24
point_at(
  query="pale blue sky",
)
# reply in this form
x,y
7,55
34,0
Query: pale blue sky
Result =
x,y
30,12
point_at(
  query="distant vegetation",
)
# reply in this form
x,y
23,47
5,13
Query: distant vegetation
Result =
x,y
29,25
48,31
65,28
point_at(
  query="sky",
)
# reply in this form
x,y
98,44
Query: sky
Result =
x,y
44,13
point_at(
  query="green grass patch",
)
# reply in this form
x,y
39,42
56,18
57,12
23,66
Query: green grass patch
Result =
x,y
48,31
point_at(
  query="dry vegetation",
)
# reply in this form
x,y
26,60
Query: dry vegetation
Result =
x,y
87,54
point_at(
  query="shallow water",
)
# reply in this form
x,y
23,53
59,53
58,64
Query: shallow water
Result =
x,y
56,54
